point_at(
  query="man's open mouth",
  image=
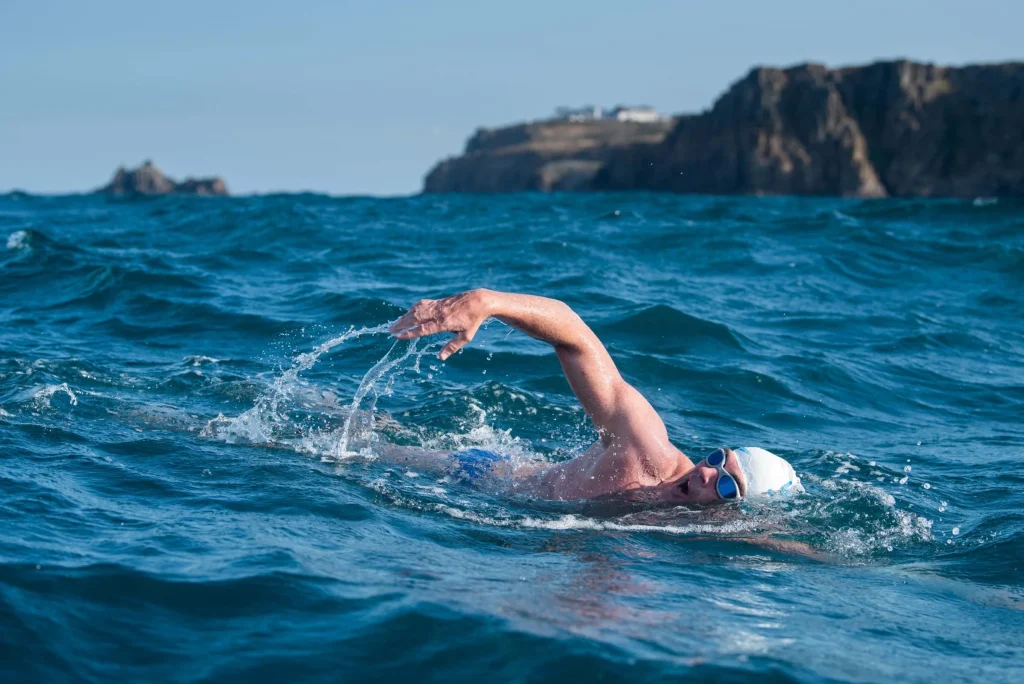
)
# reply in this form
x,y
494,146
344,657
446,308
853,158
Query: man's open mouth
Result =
x,y
685,487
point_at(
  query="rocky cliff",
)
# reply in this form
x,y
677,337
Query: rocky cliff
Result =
x,y
552,155
149,180
886,129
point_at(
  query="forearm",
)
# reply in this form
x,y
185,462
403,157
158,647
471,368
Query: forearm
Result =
x,y
548,320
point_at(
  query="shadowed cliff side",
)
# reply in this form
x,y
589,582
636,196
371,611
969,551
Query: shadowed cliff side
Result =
x,y
886,129
551,155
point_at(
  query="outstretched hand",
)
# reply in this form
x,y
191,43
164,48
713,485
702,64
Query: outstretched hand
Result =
x,y
461,314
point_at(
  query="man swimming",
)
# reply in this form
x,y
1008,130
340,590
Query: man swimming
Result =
x,y
634,453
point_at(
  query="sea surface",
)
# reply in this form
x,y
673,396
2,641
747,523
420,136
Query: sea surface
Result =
x,y
186,493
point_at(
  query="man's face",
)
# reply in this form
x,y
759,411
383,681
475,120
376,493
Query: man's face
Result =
x,y
698,485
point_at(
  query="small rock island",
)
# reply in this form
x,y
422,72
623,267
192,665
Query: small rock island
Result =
x,y
888,129
149,180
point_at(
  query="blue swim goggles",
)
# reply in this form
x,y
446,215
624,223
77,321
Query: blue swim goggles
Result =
x,y
727,486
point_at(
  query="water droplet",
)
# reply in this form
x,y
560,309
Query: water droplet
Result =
x,y
906,469
956,530
484,372
918,444
926,485
903,480
949,541
888,548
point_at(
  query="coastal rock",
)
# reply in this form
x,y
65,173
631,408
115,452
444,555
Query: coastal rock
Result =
x,y
546,156
149,180
897,128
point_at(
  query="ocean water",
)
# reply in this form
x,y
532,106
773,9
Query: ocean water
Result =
x,y
186,493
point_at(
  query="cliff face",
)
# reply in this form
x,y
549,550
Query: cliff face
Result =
x,y
553,155
149,180
890,128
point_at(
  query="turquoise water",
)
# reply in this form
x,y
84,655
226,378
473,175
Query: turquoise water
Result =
x,y
179,499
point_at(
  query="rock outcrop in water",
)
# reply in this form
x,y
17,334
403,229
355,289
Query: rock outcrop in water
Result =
x,y
552,155
901,129
149,180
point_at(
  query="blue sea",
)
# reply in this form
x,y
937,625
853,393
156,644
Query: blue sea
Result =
x,y
182,379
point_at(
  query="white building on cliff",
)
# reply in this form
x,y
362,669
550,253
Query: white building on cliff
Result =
x,y
642,114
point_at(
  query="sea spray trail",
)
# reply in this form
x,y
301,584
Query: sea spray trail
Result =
x,y
382,367
179,497
256,424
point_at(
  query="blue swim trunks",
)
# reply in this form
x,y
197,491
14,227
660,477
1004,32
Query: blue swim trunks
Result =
x,y
475,463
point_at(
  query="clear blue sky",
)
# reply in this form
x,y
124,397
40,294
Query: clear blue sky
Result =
x,y
364,97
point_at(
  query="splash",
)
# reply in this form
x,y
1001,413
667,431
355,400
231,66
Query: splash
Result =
x,y
267,422
256,426
386,367
854,518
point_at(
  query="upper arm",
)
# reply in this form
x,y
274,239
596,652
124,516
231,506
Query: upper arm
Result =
x,y
617,409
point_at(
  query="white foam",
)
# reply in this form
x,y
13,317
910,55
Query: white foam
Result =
x,y
895,527
17,240
43,395
199,360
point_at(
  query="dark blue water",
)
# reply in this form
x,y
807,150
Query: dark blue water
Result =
x,y
176,376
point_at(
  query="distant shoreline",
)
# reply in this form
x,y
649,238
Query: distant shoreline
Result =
x,y
888,129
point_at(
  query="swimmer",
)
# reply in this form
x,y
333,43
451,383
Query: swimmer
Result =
x,y
634,453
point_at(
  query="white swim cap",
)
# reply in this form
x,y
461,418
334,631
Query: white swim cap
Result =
x,y
766,473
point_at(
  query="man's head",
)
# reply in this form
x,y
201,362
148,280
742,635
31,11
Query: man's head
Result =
x,y
753,471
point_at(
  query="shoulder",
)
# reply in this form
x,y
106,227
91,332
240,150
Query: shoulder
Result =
x,y
644,462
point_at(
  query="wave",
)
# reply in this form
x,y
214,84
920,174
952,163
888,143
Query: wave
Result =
x,y
675,328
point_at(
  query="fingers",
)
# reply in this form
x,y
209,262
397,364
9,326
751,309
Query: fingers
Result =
x,y
458,342
403,323
422,330
454,345
409,333
419,313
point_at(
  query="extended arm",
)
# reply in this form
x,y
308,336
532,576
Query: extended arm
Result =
x,y
615,407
